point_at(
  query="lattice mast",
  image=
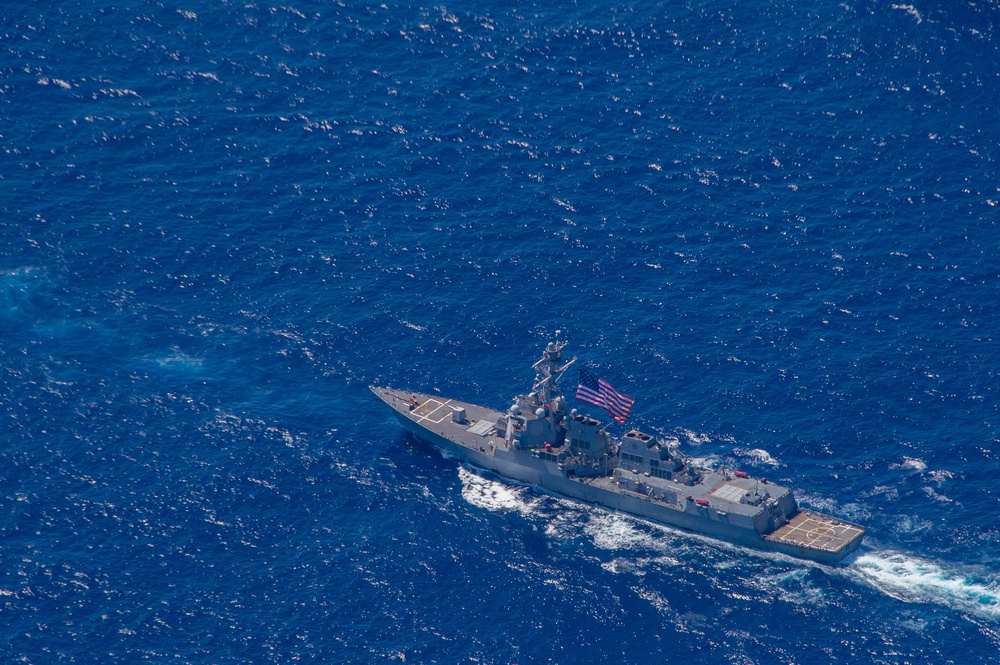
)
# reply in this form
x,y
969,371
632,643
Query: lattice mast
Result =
x,y
549,369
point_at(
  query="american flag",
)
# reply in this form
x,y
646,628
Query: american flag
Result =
x,y
595,390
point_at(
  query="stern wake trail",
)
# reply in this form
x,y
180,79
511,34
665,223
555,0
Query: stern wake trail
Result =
x,y
915,580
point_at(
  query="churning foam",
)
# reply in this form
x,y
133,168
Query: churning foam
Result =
x,y
613,532
565,519
916,580
496,496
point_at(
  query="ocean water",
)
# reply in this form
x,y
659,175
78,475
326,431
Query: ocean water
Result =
x,y
773,223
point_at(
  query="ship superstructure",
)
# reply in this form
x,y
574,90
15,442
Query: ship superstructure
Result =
x,y
541,441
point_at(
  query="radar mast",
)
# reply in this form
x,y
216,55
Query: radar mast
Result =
x,y
549,369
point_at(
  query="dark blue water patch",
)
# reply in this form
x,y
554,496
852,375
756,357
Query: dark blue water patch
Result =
x,y
771,223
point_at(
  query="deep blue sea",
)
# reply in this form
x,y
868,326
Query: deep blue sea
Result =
x,y
774,223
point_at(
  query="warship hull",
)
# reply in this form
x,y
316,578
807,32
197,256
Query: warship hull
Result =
x,y
805,535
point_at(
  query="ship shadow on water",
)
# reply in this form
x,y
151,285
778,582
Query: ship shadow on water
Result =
x,y
409,451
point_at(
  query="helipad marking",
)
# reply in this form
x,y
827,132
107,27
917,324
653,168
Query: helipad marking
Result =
x,y
427,416
818,533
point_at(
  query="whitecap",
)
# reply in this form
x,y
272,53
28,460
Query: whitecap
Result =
x,y
706,462
929,491
757,456
890,493
911,10
912,463
179,359
654,598
940,477
695,438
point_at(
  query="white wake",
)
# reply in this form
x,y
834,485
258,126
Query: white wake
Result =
x,y
915,580
907,578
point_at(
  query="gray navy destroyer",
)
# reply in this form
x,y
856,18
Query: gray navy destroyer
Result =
x,y
539,440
